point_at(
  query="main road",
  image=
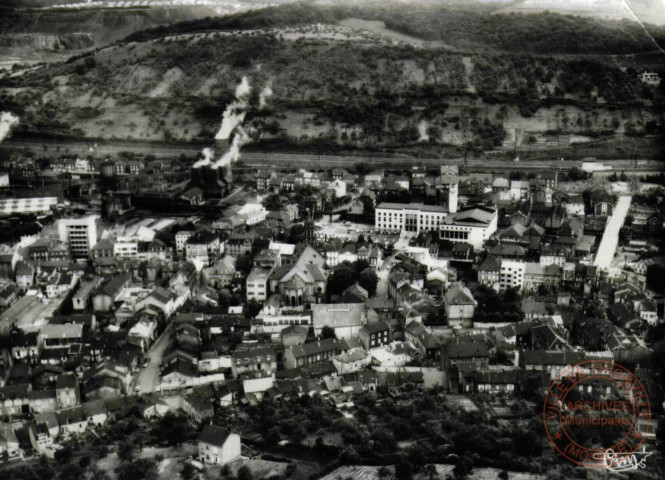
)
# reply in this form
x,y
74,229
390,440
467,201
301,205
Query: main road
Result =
x,y
610,241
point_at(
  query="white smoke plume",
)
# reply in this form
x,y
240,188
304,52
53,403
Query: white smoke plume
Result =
x,y
265,94
233,153
7,121
207,158
236,111
232,120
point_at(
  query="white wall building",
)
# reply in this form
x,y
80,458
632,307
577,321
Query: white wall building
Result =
x,y
473,225
80,234
258,283
409,217
512,274
125,248
181,239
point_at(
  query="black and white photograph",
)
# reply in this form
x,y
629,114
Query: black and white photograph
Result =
x,y
332,239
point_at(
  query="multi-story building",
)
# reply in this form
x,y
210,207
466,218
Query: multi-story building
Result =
x,y
313,352
472,224
126,247
258,283
489,272
217,446
512,274
203,246
80,234
410,217
273,319
259,361
67,391
181,239
375,335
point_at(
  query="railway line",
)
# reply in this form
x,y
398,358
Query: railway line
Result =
x,y
253,160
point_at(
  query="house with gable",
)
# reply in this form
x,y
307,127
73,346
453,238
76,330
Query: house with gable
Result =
x,y
218,446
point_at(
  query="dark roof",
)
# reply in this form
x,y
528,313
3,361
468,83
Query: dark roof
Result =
x,y
467,350
376,327
552,357
213,435
113,286
66,380
491,264
198,403
312,348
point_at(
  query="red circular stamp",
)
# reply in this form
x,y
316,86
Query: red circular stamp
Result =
x,y
597,414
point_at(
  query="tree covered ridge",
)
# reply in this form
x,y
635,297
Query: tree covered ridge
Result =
x,y
542,33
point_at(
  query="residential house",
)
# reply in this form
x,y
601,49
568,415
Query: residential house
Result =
x,y
104,298
460,306
311,353
72,421
423,339
375,335
217,446
260,361
198,408
67,390
351,361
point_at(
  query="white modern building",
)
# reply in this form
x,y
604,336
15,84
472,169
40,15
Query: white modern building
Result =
x,y
181,239
258,282
12,206
512,274
125,248
472,224
409,217
80,234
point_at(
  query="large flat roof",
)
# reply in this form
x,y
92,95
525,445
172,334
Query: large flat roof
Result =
x,y
413,206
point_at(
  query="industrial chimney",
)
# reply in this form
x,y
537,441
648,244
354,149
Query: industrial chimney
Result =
x,y
452,198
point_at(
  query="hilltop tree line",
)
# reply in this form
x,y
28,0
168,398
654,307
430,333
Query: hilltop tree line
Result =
x,y
464,29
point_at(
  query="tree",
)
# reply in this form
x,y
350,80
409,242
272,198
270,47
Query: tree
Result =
x,y
655,275
340,279
369,281
383,472
503,475
139,469
463,467
403,469
125,449
244,264
63,455
187,471
252,308
328,332
527,443
173,429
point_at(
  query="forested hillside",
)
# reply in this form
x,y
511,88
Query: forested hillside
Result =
x,y
336,87
463,29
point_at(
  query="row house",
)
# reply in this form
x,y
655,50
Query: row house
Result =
x,y
258,361
312,353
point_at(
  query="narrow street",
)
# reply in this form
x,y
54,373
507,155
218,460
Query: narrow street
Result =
x,y
610,240
148,377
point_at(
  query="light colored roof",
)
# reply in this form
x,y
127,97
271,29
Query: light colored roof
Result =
x,y
412,206
471,215
459,295
339,315
66,330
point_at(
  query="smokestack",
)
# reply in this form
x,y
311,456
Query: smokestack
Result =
x,y
452,198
